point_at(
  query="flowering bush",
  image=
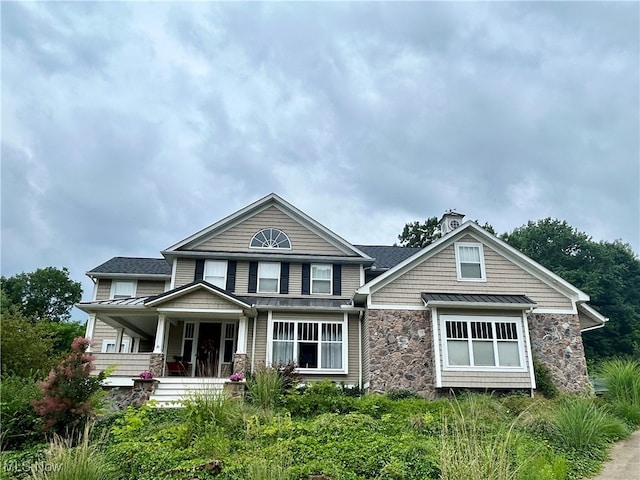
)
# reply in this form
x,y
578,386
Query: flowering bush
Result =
x,y
236,377
146,375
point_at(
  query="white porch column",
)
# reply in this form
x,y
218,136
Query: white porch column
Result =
x,y
243,327
90,329
159,340
118,346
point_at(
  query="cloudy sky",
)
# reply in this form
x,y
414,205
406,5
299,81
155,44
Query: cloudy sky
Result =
x,y
128,126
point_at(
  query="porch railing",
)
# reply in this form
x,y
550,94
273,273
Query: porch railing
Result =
x,y
127,364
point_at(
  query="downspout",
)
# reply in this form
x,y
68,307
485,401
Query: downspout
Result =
x,y
253,342
360,316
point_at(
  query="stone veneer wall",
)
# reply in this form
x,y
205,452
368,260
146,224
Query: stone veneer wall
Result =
x,y
556,342
240,363
156,364
401,351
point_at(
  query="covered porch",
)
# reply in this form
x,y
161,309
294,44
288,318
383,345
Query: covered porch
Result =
x,y
195,331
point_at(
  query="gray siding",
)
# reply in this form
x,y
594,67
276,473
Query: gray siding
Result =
x,y
104,289
438,274
237,238
149,288
185,271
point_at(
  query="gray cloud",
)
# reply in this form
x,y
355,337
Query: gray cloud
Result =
x,y
127,127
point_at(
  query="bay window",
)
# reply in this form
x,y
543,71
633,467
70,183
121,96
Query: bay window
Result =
x,y
317,345
492,342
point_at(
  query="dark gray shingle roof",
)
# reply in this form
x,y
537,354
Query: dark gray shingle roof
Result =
x,y
134,266
387,256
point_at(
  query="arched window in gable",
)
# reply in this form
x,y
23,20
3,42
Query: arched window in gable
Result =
x,y
270,238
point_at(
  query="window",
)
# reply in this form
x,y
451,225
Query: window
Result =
x,y
268,277
123,289
470,261
482,341
270,238
321,279
215,272
109,345
188,337
310,345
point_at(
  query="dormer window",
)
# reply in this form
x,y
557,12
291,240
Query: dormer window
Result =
x,y
270,238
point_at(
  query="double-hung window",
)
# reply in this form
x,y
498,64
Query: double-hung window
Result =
x,y
309,344
321,279
123,289
215,272
482,341
268,277
470,262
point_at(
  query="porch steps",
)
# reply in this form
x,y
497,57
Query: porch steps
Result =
x,y
171,391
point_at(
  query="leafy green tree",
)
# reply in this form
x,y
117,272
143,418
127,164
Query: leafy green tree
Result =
x,y
27,348
608,272
420,234
46,293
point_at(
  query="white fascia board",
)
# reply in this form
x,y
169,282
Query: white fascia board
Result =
x,y
262,204
269,256
130,276
594,315
92,307
396,307
197,286
530,266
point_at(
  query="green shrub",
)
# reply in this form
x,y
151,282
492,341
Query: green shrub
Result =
x,y
622,378
20,422
320,397
580,425
265,387
544,381
402,394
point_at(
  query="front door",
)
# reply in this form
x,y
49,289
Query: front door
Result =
x,y
208,353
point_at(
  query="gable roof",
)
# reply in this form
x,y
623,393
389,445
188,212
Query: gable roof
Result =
x,y
194,286
262,204
387,256
500,246
134,266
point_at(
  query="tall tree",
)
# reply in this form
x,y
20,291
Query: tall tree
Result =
x,y
423,234
608,272
47,293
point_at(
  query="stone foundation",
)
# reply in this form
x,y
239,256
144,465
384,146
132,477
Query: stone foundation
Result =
x,y
556,342
123,397
401,351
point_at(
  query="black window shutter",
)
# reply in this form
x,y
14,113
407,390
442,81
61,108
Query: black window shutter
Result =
x,y
231,276
337,279
284,277
199,269
253,277
306,279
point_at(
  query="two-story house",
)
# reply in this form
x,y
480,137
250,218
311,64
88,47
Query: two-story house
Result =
x,y
269,285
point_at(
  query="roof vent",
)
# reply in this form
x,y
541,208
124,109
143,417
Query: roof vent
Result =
x,y
450,221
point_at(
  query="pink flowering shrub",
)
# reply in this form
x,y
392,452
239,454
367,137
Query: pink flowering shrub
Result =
x,y
146,375
236,377
69,392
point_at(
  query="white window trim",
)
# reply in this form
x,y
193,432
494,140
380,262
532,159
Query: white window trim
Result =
x,y
483,273
320,371
260,264
270,247
481,318
226,271
330,278
113,288
126,345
